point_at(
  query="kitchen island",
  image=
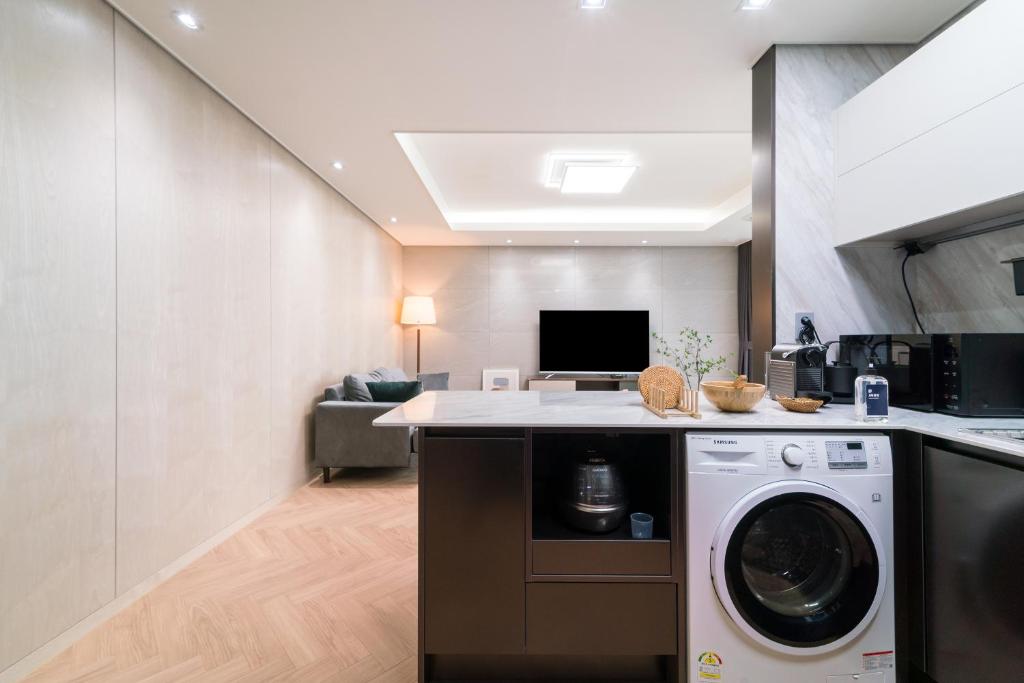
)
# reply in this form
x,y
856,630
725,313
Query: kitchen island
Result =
x,y
509,591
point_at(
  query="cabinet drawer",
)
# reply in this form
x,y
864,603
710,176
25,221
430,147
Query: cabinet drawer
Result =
x,y
601,618
625,558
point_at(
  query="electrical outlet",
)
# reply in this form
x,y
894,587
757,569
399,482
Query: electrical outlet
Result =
x,y
799,325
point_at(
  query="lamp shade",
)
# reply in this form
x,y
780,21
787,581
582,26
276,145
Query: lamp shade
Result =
x,y
418,310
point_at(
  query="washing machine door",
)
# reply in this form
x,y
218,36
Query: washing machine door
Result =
x,y
798,567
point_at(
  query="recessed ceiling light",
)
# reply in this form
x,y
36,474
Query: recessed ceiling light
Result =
x,y
595,179
393,219
643,241
754,4
588,173
575,241
508,241
187,20
592,4
557,162
338,165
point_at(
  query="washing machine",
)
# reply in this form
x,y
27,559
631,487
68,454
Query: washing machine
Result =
x,y
789,564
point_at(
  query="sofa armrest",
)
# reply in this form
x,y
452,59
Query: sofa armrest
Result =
x,y
345,436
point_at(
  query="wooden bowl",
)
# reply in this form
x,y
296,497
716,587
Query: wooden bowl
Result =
x,y
732,397
800,405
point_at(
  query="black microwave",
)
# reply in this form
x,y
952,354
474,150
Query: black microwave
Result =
x,y
969,374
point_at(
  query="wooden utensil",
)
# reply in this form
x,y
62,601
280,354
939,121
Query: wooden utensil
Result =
x,y
687,403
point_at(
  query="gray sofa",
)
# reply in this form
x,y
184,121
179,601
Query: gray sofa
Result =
x,y
344,435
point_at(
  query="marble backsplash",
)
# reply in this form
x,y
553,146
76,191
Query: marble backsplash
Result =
x,y
961,286
850,290
958,286
487,299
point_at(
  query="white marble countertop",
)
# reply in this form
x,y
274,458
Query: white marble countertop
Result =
x,y
622,410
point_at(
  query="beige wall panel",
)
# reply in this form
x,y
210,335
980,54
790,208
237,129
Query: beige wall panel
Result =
x,y
56,318
308,311
380,296
162,323
336,282
193,178
487,299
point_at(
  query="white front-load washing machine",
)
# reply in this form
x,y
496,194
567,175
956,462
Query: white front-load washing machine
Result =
x,y
789,564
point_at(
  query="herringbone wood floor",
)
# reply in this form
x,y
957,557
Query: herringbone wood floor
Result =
x,y
321,588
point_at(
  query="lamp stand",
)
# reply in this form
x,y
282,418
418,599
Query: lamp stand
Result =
x,y
418,329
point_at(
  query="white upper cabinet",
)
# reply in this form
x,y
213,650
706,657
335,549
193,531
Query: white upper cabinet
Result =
x,y
938,141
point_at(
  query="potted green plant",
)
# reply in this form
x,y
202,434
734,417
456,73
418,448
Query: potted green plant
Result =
x,y
690,353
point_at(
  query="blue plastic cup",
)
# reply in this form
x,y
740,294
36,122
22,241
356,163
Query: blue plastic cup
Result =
x,y
642,525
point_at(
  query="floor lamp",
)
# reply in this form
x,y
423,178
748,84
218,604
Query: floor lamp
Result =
x,y
418,310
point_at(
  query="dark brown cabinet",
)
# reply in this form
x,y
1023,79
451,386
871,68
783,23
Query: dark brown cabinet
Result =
x,y
601,618
473,545
604,558
510,591
973,564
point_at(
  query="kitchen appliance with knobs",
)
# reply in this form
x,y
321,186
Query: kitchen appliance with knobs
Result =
x,y
789,540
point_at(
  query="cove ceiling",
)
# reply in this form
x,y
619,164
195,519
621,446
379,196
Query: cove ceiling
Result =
x,y
506,82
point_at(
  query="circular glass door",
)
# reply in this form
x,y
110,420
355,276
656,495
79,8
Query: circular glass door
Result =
x,y
798,567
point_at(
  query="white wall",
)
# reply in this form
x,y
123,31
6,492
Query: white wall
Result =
x,y
166,328
487,298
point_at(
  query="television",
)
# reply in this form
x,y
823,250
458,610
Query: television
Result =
x,y
594,342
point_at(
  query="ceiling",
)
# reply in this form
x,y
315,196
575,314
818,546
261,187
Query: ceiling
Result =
x,y
487,88
499,181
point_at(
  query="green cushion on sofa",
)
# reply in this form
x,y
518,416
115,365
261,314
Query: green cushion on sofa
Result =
x,y
394,392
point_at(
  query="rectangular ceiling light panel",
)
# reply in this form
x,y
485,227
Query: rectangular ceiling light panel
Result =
x,y
595,179
588,172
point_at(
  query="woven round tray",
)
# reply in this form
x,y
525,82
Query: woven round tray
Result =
x,y
800,405
663,377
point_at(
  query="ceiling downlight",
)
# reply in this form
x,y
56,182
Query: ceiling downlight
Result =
x,y
188,20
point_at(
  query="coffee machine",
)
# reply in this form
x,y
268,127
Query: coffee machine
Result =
x,y
796,368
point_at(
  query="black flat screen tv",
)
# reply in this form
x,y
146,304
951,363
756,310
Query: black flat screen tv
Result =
x,y
598,342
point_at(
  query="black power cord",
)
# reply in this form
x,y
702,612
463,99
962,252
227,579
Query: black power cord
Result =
x,y
913,249
808,334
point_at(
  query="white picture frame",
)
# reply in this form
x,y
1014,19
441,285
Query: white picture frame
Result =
x,y
501,379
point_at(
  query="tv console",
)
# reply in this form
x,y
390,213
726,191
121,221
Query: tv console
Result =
x,y
569,382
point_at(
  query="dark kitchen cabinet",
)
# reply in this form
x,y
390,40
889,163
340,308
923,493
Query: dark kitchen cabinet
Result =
x,y
596,618
510,592
644,461
972,554
473,548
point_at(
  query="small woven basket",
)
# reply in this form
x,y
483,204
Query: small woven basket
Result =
x,y
662,377
800,405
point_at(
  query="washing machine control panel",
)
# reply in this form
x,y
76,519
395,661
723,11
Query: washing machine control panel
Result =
x,y
792,454
846,455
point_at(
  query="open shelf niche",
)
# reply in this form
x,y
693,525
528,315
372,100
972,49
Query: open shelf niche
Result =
x,y
644,461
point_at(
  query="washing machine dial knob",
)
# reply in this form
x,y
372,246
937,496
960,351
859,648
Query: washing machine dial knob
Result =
x,y
793,455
